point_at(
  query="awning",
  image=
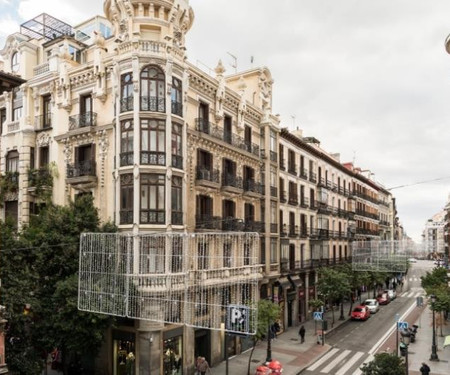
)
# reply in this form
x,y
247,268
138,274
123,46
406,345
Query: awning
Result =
x,y
284,282
296,281
447,341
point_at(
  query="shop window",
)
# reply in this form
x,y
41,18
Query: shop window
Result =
x,y
124,353
172,356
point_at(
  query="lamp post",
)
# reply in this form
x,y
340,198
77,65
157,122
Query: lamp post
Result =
x,y
434,356
269,343
406,339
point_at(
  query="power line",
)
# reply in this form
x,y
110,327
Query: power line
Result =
x,y
418,183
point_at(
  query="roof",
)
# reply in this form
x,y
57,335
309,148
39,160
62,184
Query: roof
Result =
x,y
9,81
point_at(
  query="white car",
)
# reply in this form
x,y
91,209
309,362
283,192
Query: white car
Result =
x,y
412,260
372,305
391,293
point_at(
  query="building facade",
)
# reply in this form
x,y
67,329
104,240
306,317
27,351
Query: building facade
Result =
x,y
113,108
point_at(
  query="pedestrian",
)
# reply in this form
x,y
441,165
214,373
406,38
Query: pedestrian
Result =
x,y
197,364
203,366
301,332
425,369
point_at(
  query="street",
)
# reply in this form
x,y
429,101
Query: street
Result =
x,y
356,342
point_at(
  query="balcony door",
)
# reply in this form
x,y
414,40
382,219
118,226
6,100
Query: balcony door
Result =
x,y
86,110
85,159
227,129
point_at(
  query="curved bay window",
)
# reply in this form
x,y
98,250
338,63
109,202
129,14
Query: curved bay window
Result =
x,y
177,146
126,198
126,143
177,97
126,92
153,89
153,199
153,142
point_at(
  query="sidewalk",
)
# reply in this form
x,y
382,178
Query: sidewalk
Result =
x,y
287,349
420,350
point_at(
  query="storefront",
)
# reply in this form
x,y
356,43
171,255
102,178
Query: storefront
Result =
x,y
124,353
173,352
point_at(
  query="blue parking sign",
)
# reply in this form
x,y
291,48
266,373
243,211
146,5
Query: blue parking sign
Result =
x,y
317,315
403,326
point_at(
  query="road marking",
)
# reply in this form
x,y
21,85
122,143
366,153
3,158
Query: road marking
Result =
x,y
341,356
367,360
350,363
390,330
323,359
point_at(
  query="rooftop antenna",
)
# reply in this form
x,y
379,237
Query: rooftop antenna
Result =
x,y
235,62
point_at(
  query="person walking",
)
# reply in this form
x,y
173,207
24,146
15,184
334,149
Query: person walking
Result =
x,y
203,366
301,332
425,369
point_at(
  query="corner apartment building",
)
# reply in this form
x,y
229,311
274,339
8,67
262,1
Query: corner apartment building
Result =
x,y
113,108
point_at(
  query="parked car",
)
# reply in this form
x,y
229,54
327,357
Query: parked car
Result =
x,y
391,293
360,313
372,305
412,260
439,262
383,299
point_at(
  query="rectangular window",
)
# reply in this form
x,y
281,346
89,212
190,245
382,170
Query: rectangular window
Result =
x,y
126,92
177,146
153,142
248,138
46,112
273,251
86,114
44,156
177,200
17,104
203,118
126,198
177,97
126,143
227,129
153,199
2,119
32,161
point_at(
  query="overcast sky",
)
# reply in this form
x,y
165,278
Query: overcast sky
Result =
x,y
369,79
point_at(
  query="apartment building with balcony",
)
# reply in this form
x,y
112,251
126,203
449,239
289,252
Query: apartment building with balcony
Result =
x,y
112,108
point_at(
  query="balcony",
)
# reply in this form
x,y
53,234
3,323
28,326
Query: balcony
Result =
x,y
177,218
9,186
282,164
293,199
153,104
126,104
82,173
126,217
252,188
82,120
39,180
177,161
43,122
283,230
208,177
126,158
304,202
312,177
304,173
273,228
319,234
231,224
323,208
273,191
207,221
152,216
153,158
254,226
204,126
232,183
177,109
293,231
367,214
273,156
292,169
283,198
304,232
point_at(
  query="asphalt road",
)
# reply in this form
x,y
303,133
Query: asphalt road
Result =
x,y
355,342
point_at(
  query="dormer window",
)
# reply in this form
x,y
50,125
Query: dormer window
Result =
x,y
15,62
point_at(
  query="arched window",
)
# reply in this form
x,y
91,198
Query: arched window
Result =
x,y
153,89
15,62
12,161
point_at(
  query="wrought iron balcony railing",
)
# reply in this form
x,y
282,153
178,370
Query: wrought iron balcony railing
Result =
x,y
273,156
153,158
254,226
232,224
177,161
283,195
82,120
252,186
304,202
232,180
208,221
177,109
126,216
292,169
126,158
312,177
126,104
43,122
212,175
282,164
304,173
273,228
293,199
273,191
153,216
177,218
40,177
81,169
153,104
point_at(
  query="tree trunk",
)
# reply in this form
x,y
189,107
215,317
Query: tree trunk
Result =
x,y
251,354
342,310
351,304
332,314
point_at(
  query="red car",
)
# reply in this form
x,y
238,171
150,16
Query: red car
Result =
x,y
383,299
360,313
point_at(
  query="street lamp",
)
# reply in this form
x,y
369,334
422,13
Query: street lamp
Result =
x,y
406,339
434,356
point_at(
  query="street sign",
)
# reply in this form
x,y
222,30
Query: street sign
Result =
x,y
237,318
317,315
402,325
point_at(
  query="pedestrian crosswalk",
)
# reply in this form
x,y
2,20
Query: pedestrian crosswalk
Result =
x,y
413,293
340,362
